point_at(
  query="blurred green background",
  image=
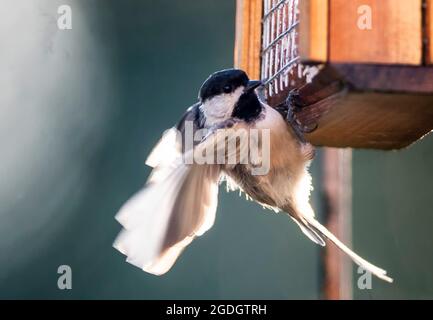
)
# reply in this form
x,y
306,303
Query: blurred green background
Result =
x,y
393,219
89,104
79,111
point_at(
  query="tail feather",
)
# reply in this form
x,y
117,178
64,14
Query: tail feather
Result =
x,y
310,233
314,227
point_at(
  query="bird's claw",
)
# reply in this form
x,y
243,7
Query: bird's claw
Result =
x,y
309,129
294,105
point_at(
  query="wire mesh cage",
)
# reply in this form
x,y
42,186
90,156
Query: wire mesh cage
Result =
x,y
279,48
280,59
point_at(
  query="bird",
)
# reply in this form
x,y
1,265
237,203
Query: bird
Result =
x,y
178,203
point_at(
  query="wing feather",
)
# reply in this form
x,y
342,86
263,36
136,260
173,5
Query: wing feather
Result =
x,y
177,204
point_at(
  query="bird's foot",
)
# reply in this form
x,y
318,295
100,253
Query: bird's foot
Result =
x,y
294,105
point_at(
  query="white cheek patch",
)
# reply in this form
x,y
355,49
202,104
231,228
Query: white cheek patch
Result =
x,y
220,107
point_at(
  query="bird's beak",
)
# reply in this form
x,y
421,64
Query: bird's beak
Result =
x,y
253,84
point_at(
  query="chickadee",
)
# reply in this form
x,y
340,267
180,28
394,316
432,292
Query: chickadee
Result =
x,y
179,200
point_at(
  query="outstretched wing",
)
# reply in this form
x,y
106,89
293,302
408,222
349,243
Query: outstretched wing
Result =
x,y
164,217
178,203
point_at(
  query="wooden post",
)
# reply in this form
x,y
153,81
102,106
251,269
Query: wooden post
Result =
x,y
248,36
337,183
313,30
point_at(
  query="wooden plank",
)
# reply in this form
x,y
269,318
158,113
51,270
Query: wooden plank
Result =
x,y
395,36
374,120
417,80
313,30
248,36
429,31
362,106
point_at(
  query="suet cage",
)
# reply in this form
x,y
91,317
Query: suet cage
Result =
x,y
363,71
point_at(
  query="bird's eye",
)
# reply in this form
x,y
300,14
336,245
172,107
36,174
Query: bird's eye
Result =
x,y
227,89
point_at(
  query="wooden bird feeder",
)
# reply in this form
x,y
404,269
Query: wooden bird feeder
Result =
x,y
363,71
363,68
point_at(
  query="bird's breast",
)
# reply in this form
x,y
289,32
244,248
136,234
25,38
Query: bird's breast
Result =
x,y
285,148
287,166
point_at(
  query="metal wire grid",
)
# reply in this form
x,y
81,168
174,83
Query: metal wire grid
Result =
x,y
279,44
